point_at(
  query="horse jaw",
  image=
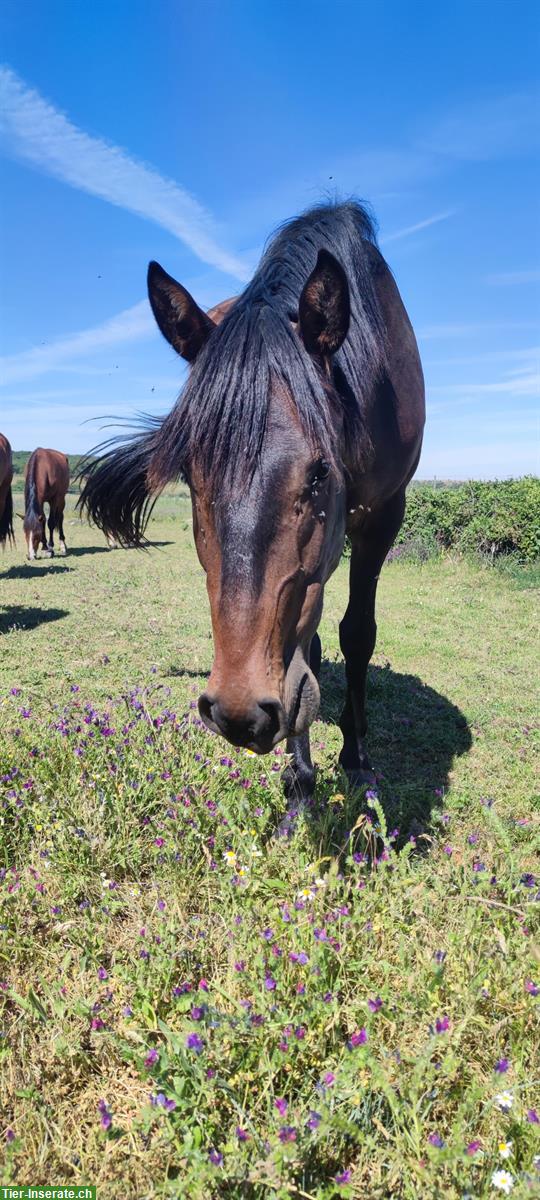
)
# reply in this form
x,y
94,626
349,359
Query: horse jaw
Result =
x,y
301,696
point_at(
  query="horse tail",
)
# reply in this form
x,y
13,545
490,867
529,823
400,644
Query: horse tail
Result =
x,y
31,501
118,493
7,533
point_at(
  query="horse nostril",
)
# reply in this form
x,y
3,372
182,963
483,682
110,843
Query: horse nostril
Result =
x,y
273,713
206,706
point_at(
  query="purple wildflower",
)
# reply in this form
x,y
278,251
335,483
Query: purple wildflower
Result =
x,y
216,1158
102,974
359,1038
343,1177
270,984
502,1065
442,1024
151,1058
105,1113
375,1005
241,1134
287,1133
194,1042
473,1147
10,1136
436,1140
281,1105
532,1116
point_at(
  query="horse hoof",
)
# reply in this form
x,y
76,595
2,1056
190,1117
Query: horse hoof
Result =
x,y
62,551
289,823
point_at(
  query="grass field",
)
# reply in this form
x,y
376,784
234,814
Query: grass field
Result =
x,y
192,1008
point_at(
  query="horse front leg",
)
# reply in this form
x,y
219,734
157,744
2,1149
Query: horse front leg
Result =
x,y
45,551
358,633
52,525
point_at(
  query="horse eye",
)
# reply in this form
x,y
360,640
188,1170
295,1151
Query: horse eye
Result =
x,y
322,471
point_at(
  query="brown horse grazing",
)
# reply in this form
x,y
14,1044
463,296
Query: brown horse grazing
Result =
x,y
301,421
6,496
46,482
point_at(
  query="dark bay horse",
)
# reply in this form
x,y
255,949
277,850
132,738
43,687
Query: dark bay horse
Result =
x,y
301,421
6,495
46,482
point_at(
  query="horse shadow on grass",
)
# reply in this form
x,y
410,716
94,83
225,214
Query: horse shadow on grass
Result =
x,y
36,569
76,551
414,735
17,617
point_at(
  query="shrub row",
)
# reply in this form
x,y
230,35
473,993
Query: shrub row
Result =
x,y
497,518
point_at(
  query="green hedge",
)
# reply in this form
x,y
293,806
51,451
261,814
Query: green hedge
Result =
x,y
489,518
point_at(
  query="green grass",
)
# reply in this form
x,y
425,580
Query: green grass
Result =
x,y
138,864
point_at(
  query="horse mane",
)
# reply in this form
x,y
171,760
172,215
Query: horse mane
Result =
x,y
219,419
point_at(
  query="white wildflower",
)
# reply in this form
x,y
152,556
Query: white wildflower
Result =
x,y
503,1180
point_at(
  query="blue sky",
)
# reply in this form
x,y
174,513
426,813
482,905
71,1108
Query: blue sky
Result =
x,y
187,131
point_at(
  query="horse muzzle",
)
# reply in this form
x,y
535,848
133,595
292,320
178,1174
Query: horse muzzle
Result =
x,y
257,726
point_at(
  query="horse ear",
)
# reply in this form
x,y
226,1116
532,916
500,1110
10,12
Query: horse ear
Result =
x,y
324,309
179,317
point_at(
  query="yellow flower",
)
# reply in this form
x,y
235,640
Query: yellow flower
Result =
x,y
505,1149
337,798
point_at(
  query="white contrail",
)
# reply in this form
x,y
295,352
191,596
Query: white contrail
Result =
x,y
401,233
35,131
509,278
130,325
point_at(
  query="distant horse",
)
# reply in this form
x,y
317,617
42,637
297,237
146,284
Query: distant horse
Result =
x,y
6,496
301,421
46,482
